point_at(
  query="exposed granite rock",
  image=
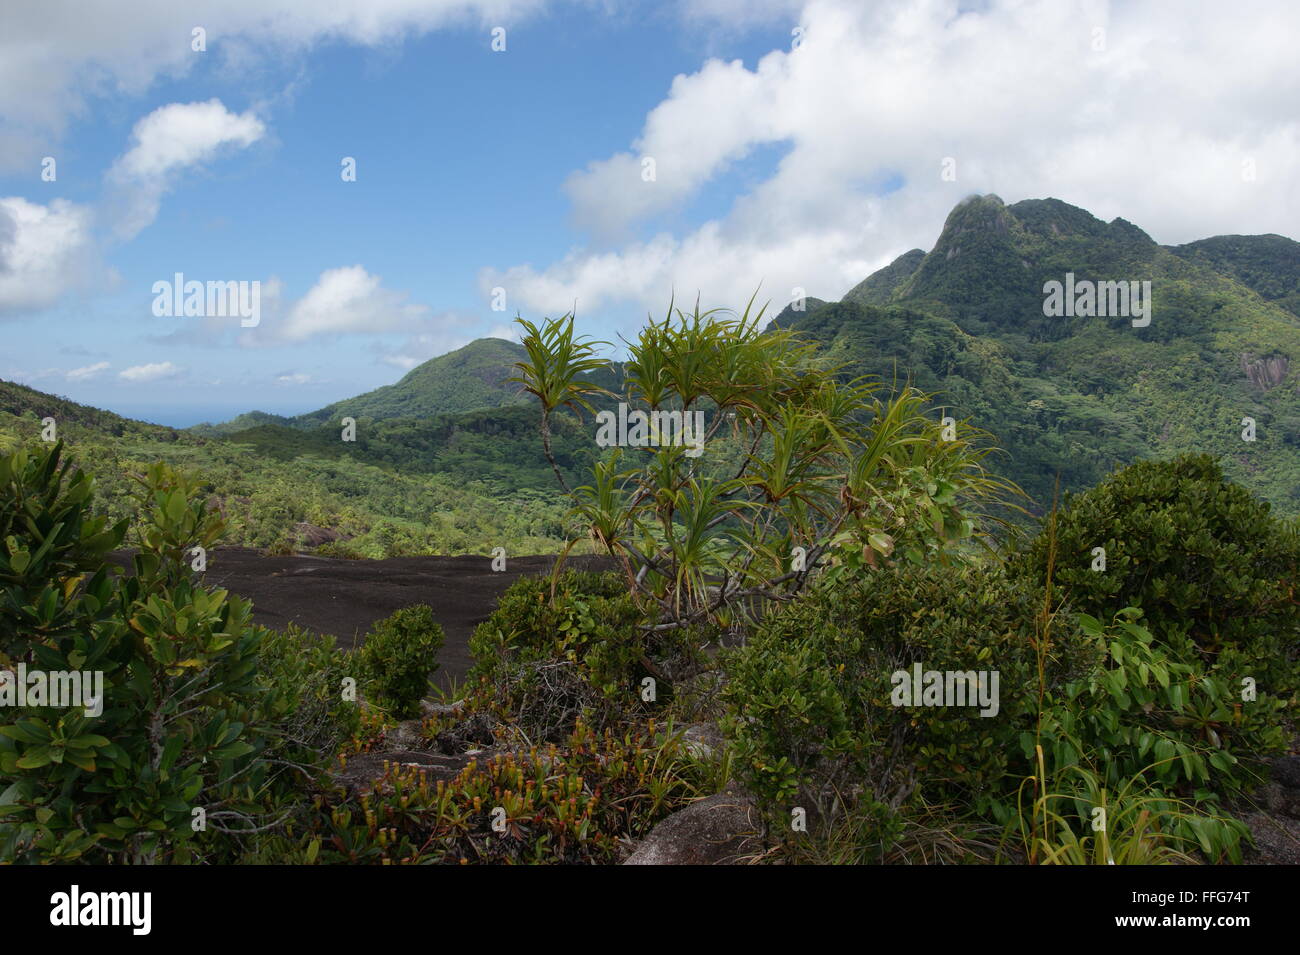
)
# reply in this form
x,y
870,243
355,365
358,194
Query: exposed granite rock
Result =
x,y
1282,794
1265,373
719,830
313,535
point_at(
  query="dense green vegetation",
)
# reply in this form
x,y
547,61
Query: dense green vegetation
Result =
x,y
1267,264
1067,397
815,724
566,743
191,734
1074,397
1079,396
495,447
836,532
1149,721
1208,563
267,488
212,740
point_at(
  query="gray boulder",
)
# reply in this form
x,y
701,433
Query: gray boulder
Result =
x,y
1282,794
719,830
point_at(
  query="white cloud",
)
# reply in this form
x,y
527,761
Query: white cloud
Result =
x,y
293,378
151,372
181,134
44,251
349,300
343,302
1154,126
88,372
170,139
48,250
708,119
57,56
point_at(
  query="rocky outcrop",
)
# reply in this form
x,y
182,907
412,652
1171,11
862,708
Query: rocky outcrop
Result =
x,y
722,829
405,747
1282,793
1265,373
313,535
1275,826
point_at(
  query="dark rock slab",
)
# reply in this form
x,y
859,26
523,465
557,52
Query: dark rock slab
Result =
x,y
345,598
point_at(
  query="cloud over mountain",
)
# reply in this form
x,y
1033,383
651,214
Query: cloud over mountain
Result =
x,y
1116,107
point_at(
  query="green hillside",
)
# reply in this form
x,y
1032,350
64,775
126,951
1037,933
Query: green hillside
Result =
x,y
249,419
19,400
1070,396
467,379
878,287
1268,264
1078,396
272,482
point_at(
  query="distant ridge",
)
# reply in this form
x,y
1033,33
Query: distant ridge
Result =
x,y
1082,396
468,379
1076,396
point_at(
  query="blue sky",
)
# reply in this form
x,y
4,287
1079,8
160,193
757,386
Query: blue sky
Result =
x,y
461,152
797,163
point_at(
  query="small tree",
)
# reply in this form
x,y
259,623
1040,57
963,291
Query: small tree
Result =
x,y
803,469
52,563
1202,557
397,658
167,744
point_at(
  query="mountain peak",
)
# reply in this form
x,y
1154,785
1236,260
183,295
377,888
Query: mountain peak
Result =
x,y
471,377
991,259
480,353
986,215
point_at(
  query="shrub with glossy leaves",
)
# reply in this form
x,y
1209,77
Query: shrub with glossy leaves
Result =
x,y
53,579
303,676
171,742
812,716
557,649
397,659
1151,708
1199,555
1148,719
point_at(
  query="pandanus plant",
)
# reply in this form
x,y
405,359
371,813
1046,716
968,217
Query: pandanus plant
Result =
x,y
804,470
556,359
